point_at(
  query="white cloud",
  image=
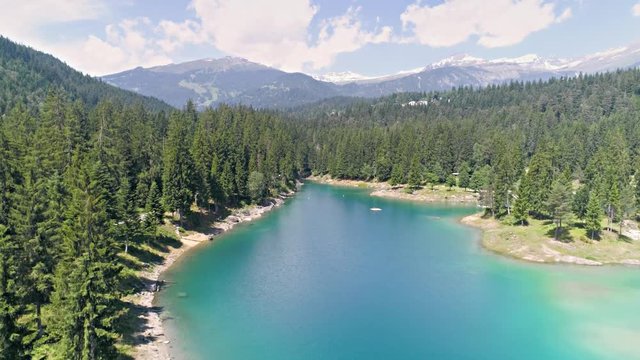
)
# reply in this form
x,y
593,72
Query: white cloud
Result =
x,y
282,33
175,35
278,33
21,20
566,15
636,9
496,23
126,45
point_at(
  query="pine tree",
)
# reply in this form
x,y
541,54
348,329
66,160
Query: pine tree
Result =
x,y
480,178
580,201
256,186
593,216
202,151
153,207
397,175
179,170
504,173
464,175
613,205
50,143
38,241
521,206
382,168
86,296
11,333
414,179
451,181
559,202
627,205
540,176
228,183
128,222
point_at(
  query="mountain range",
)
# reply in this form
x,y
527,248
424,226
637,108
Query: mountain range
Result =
x,y
232,80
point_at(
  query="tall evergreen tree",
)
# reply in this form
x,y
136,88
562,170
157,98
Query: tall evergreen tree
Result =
x,y
540,176
128,221
464,175
521,206
256,186
86,296
37,240
414,179
627,206
580,202
179,170
593,216
559,202
153,207
613,205
11,334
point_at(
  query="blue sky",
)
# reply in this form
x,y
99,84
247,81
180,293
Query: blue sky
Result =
x,y
371,37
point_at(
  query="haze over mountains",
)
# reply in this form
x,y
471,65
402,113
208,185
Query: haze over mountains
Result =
x,y
209,82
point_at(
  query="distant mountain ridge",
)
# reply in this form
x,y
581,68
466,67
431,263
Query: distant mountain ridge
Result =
x,y
210,82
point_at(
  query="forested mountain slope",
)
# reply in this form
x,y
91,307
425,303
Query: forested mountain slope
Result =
x,y
87,173
83,188
520,141
27,74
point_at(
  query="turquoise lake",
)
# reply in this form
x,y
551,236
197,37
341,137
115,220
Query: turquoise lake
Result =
x,y
324,277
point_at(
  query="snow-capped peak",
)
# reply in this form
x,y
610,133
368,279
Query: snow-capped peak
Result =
x,y
533,61
458,60
341,77
525,59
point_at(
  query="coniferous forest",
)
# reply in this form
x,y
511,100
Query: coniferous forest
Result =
x,y
83,182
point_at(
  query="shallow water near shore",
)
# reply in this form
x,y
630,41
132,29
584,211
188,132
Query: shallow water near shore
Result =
x,y
324,277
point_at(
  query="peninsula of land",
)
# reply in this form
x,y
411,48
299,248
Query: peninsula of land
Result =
x,y
534,242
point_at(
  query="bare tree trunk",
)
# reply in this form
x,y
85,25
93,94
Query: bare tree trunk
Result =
x,y
620,231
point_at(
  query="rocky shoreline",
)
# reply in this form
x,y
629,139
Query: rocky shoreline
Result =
x,y
152,342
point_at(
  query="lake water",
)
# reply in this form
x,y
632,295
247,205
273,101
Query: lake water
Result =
x,y
324,277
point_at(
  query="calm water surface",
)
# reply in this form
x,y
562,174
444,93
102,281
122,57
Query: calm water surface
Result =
x,y
326,278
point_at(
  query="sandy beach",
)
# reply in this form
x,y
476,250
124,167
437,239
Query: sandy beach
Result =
x,y
152,342
439,193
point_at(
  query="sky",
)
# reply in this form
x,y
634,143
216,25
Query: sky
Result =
x,y
369,37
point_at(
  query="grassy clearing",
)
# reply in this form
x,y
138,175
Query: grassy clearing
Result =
x,y
535,242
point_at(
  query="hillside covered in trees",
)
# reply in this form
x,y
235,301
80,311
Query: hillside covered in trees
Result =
x,y
536,142
27,74
86,178
80,188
